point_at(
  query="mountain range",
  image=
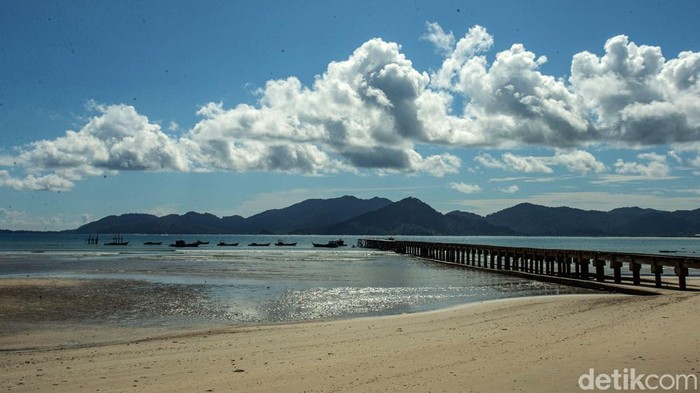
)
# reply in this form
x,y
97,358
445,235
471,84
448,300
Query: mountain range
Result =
x,y
349,215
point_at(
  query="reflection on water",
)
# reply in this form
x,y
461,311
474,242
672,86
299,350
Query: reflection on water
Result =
x,y
244,286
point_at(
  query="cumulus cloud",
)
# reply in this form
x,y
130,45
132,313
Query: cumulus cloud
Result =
x,y
656,166
631,95
575,161
373,111
117,139
510,189
466,188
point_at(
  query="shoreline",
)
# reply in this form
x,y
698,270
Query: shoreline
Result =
x,y
541,343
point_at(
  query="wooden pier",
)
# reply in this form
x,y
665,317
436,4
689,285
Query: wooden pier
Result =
x,y
571,264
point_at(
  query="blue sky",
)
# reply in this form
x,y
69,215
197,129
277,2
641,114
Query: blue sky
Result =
x,y
236,107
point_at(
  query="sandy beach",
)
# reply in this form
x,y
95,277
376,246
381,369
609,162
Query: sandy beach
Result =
x,y
541,344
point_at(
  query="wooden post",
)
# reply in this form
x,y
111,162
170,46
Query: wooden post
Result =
x,y
584,267
616,265
599,269
657,269
635,268
681,271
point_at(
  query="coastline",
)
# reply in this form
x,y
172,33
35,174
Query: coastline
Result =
x,y
529,344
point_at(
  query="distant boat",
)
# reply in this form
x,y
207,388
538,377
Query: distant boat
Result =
x,y
117,241
281,243
668,251
258,244
222,244
93,240
330,244
152,243
201,242
182,243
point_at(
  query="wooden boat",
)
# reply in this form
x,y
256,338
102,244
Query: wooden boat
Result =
x,y
117,241
668,251
222,244
182,243
281,243
152,243
201,242
258,244
330,244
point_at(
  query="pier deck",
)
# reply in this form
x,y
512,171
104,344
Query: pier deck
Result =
x,y
573,264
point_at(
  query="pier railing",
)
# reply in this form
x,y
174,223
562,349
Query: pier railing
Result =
x,y
575,264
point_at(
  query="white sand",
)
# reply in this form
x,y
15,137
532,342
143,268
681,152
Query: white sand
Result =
x,y
529,344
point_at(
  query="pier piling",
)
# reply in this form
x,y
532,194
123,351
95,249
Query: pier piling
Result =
x,y
543,262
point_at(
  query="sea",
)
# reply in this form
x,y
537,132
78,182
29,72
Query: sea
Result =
x,y
252,285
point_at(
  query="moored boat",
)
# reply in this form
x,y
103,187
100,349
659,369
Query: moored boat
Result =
x,y
224,244
281,243
117,241
258,244
182,243
152,243
330,244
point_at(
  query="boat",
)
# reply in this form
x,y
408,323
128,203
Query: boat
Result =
x,y
117,241
668,251
330,244
201,242
258,244
152,243
182,243
223,244
93,240
281,243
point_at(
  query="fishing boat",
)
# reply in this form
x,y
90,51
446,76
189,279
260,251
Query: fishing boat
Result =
x,y
223,244
152,243
281,243
117,241
330,244
182,243
258,244
201,242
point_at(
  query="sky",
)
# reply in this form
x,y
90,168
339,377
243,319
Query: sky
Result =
x,y
235,107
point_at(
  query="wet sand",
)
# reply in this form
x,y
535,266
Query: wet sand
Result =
x,y
523,344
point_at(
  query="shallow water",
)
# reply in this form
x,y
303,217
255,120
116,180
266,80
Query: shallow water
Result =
x,y
243,285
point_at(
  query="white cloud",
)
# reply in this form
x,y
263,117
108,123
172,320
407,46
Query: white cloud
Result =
x,y
435,34
510,189
117,139
657,167
373,111
578,161
575,161
466,188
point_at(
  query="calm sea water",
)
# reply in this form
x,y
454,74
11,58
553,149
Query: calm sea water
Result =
x,y
272,284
